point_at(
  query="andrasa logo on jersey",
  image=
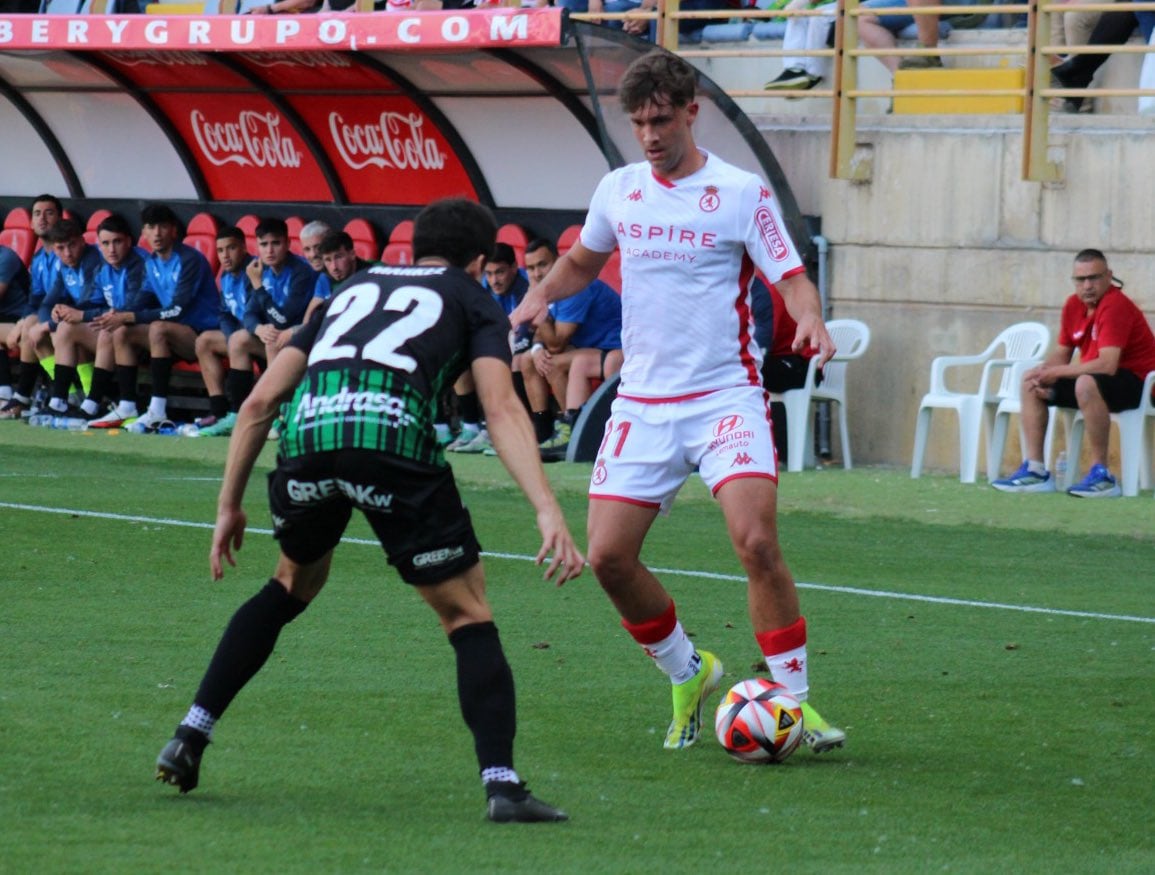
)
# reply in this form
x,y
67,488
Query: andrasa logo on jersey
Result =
x,y
253,140
771,236
394,139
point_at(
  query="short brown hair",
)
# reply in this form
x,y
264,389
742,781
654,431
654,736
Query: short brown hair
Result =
x,y
658,77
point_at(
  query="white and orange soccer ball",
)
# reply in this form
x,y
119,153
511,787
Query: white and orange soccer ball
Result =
x,y
758,721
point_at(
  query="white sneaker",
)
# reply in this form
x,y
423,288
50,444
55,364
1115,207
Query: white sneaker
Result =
x,y
466,435
148,423
479,444
113,419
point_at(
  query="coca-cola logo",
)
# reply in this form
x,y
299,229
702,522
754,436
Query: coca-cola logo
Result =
x,y
395,140
253,140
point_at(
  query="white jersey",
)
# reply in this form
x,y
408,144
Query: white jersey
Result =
x,y
689,249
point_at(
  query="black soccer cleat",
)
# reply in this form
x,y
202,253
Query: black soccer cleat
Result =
x,y
179,763
513,803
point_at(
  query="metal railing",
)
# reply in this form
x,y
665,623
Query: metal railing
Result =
x,y
1035,92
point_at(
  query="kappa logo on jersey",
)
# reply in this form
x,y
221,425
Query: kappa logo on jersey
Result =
x,y
742,459
771,236
635,195
710,200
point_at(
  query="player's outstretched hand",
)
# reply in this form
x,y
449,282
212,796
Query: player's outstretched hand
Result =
x,y
557,544
812,333
228,535
532,310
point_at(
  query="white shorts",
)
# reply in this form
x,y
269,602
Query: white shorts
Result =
x,y
649,450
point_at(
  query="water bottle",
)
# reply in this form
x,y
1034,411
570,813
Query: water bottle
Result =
x,y
1061,467
41,420
69,423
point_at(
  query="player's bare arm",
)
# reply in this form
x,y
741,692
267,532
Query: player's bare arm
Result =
x,y
252,430
805,306
569,275
513,437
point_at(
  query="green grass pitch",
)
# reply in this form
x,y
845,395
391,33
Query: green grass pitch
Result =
x,y
990,656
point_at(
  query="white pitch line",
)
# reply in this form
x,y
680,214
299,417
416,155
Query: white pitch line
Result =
x,y
706,575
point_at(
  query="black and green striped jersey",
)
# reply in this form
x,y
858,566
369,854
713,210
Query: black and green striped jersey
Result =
x,y
381,352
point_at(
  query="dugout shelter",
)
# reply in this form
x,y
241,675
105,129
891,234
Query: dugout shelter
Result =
x,y
331,116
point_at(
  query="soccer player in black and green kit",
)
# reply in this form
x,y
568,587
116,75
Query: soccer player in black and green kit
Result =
x,y
367,370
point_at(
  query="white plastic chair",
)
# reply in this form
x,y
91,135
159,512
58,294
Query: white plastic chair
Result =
x,y
1135,431
1021,342
852,338
1012,406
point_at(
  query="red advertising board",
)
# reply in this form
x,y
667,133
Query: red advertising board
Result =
x,y
385,149
245,148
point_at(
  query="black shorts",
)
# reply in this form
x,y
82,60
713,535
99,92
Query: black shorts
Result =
x,y
1121,390
415,512
781,373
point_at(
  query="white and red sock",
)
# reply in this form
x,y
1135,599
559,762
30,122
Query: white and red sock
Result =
x,y
785,653
665,642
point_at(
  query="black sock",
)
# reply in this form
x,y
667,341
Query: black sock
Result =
x,y
5,368
238,386
485,691
62,382
126,380
519,388
218,406
160,369
101,384
542,425
29,371
468,407
571,415
246,644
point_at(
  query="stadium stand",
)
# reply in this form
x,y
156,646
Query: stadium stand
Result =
x,y
17,234
366,240
399,249
93,223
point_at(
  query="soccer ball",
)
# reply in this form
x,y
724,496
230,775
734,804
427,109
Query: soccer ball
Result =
x,y
758,721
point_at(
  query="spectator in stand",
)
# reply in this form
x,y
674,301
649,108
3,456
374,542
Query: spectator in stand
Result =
x,y
1072,28
282,286
14,285
1112,29
118,294
181,281
70,300
580,340
212,346
46,211
508,286
1116,352
339,261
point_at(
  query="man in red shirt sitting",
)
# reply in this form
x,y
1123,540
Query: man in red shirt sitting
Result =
x,y
1116,352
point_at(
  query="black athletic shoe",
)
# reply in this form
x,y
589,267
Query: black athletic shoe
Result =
x,y
179,762
513,803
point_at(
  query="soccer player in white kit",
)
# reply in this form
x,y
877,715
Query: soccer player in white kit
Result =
x,y
691,230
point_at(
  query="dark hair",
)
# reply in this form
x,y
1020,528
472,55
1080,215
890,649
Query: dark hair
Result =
x,y
64,230
502,253
334,241
271,225
48,198
232,232
1091,255
540,243
115,224
159,214
455,229
657,77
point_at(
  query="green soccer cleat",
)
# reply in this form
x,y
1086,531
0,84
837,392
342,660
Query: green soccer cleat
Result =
x,y
223,427
689,697
819,735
